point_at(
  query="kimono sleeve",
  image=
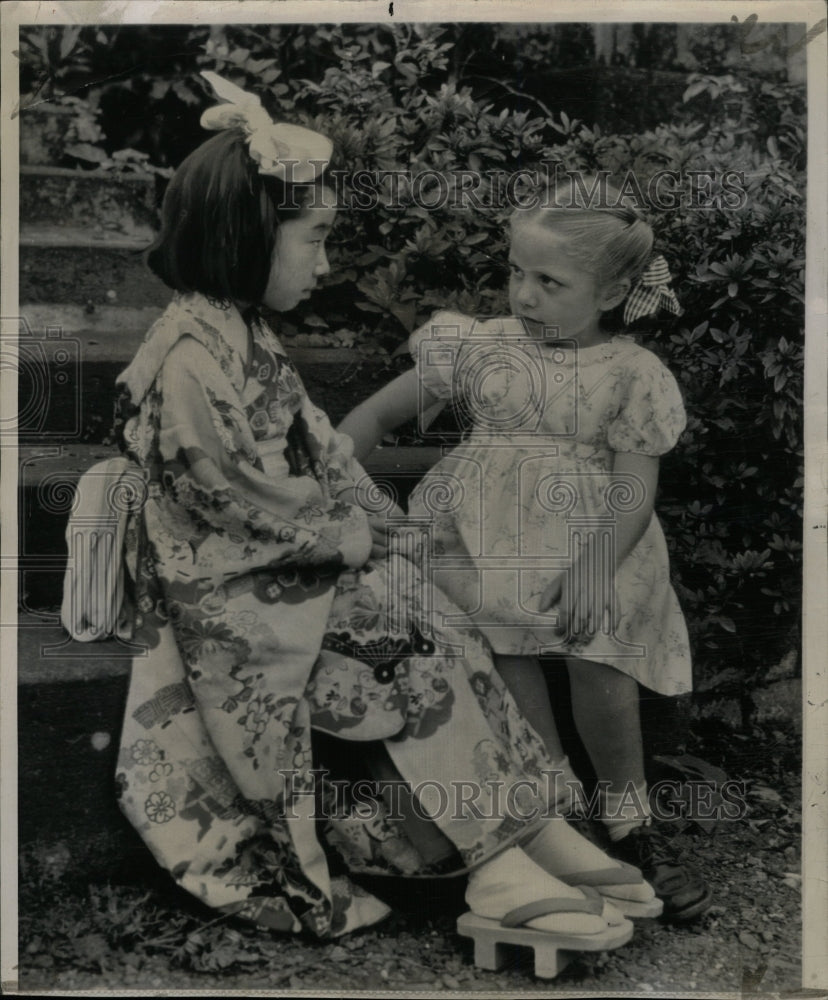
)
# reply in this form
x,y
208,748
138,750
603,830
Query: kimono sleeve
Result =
x,y
344,471
436,348
651,416
210,469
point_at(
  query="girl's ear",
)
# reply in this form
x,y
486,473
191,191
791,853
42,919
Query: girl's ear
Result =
x,y
613,294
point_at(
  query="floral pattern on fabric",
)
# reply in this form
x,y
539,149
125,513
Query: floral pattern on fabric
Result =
x,y
261,623
507,505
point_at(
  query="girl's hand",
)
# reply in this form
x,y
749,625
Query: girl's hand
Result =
x,y
377,522
586,606
379,527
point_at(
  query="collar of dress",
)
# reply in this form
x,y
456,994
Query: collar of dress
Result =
x,y
214,323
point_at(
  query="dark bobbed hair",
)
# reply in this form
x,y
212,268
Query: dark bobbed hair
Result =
x,y
219,220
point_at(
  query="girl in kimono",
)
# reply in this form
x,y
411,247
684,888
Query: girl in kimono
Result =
x,y
292,676
541,521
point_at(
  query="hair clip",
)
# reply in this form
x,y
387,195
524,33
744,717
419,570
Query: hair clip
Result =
x,y
651,292
294,154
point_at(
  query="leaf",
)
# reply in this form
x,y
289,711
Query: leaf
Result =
x,y
129,154
767,796
690,768
693,90
68,41
184,93
405,313
160,89
86,151
315,321
727,676
473,240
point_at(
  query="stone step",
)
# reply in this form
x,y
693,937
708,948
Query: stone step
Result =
x,y
103,333
70,705
47,478
69,357
83,234
114,333
96,203
76,266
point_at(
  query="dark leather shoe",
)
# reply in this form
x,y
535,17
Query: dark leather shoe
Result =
x,y
684,894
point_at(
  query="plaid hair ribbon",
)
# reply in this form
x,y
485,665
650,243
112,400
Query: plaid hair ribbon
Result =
x,y
275,146
651,292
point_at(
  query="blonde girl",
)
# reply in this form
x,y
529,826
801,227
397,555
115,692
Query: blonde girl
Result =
x,y
541,522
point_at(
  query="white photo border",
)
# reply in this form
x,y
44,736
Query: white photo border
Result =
x,y
808,13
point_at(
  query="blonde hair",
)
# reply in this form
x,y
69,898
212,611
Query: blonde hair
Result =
x,y
606,234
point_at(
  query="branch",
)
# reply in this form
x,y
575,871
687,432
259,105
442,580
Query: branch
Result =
x,y
516,93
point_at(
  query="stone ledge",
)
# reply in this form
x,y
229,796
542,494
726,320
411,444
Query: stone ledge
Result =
x,y
94,202
46,235
46,654
87,272
69,461
114,333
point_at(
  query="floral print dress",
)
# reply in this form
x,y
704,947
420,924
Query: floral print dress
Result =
x,y
508,508
261,623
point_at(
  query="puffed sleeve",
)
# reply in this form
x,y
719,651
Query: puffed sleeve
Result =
x,y
651,416
436,347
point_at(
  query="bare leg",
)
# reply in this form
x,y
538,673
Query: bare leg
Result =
x,y
606,713
525,680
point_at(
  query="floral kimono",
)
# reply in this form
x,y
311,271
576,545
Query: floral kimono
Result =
x,y
268,639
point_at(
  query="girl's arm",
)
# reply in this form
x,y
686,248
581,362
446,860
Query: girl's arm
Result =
x,y
574,591
386,409
630,527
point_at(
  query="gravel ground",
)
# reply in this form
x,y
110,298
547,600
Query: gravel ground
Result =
x,y
90,938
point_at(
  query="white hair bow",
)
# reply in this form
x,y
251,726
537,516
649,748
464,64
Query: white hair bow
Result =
x,y
293,154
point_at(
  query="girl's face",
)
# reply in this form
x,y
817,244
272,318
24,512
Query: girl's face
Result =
x,y
551,289
299,258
